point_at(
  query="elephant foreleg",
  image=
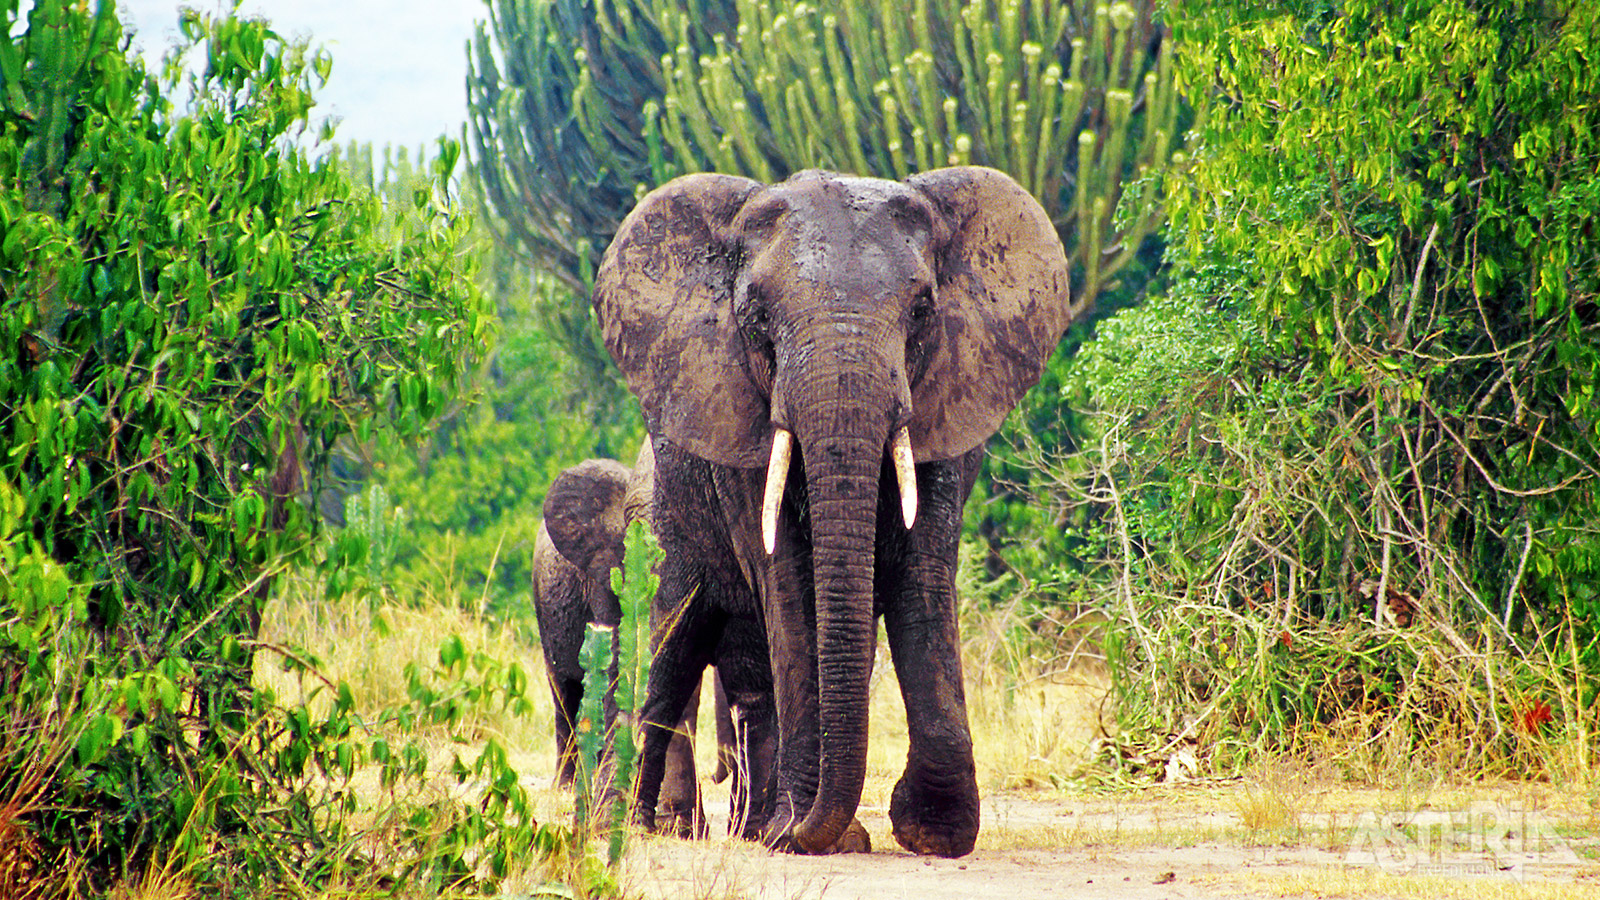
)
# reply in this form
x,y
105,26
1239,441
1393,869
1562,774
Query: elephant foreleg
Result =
x,y
568,695
791,635
934,807
744,674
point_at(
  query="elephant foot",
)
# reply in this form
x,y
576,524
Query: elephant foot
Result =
x,y
934,825
681,820
854,840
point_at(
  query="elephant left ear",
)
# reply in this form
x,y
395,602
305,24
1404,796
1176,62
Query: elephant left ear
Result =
x,y
1003,303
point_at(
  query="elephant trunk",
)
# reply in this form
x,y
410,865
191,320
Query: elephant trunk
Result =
x,y
843,488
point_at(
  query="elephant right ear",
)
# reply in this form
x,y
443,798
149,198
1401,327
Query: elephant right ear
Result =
x,y
583,512
663,296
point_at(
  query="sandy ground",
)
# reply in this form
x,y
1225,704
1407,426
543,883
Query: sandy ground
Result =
x,y
1181,842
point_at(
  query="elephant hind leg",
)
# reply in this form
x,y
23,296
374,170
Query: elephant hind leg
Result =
x,y
568,694
682,655
679,812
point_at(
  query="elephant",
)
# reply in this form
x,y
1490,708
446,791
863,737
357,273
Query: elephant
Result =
x,y
885,329
586,514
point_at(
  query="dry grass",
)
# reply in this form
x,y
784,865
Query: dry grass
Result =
x,y
1276,798
154,884
347,640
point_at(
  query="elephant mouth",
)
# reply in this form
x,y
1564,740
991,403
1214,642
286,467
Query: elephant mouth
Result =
x,y
905,474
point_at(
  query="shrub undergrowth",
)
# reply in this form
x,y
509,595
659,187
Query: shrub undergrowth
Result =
x,y
1337,488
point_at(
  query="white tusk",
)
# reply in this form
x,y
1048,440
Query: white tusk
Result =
x,y
777,476
905,472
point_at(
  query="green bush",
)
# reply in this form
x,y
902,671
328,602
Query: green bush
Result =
x,y
1371,388
195,314
471,487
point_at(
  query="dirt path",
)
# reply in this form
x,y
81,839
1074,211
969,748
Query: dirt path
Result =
x,y
1180,843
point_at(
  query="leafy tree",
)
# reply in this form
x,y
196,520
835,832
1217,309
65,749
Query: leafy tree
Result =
x,y
471,489
1382,411
193,313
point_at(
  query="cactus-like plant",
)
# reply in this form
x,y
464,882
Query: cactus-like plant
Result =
x,y
590,104
42,77
595,655
620,656
1019,85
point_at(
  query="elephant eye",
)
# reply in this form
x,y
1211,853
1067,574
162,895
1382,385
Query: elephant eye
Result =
x,y
755,327
753,316
922,307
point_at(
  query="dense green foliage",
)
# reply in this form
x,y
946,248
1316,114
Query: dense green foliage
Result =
x,y
1368,404
467,494
194,315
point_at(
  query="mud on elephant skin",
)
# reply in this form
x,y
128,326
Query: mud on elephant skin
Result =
x,y
884,329
586,514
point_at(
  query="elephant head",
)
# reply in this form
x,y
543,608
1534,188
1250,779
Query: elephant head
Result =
x,y
589,507
863,320
585,514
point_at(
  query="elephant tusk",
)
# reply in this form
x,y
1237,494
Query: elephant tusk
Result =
x,y
905,472
777,476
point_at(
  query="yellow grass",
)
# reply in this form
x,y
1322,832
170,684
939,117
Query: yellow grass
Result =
x,y
154,884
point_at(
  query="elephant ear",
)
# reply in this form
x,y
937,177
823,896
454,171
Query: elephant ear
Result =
x,y
1002,306
583,512
663,296
641,483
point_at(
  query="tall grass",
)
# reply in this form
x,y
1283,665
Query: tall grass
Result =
x,y
371,647
1216,646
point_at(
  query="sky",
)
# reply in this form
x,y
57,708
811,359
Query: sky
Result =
x,y
399,66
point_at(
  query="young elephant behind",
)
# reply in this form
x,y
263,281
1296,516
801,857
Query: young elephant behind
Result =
x,y
586,515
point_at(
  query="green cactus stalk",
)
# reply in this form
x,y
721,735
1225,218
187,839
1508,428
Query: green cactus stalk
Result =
x,y
635,586
595,656
615,661
50,67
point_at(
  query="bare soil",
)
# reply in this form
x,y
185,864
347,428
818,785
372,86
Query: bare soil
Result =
x,y
1179,842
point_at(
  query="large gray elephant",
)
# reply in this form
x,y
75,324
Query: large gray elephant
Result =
x,y
886,329
586,515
